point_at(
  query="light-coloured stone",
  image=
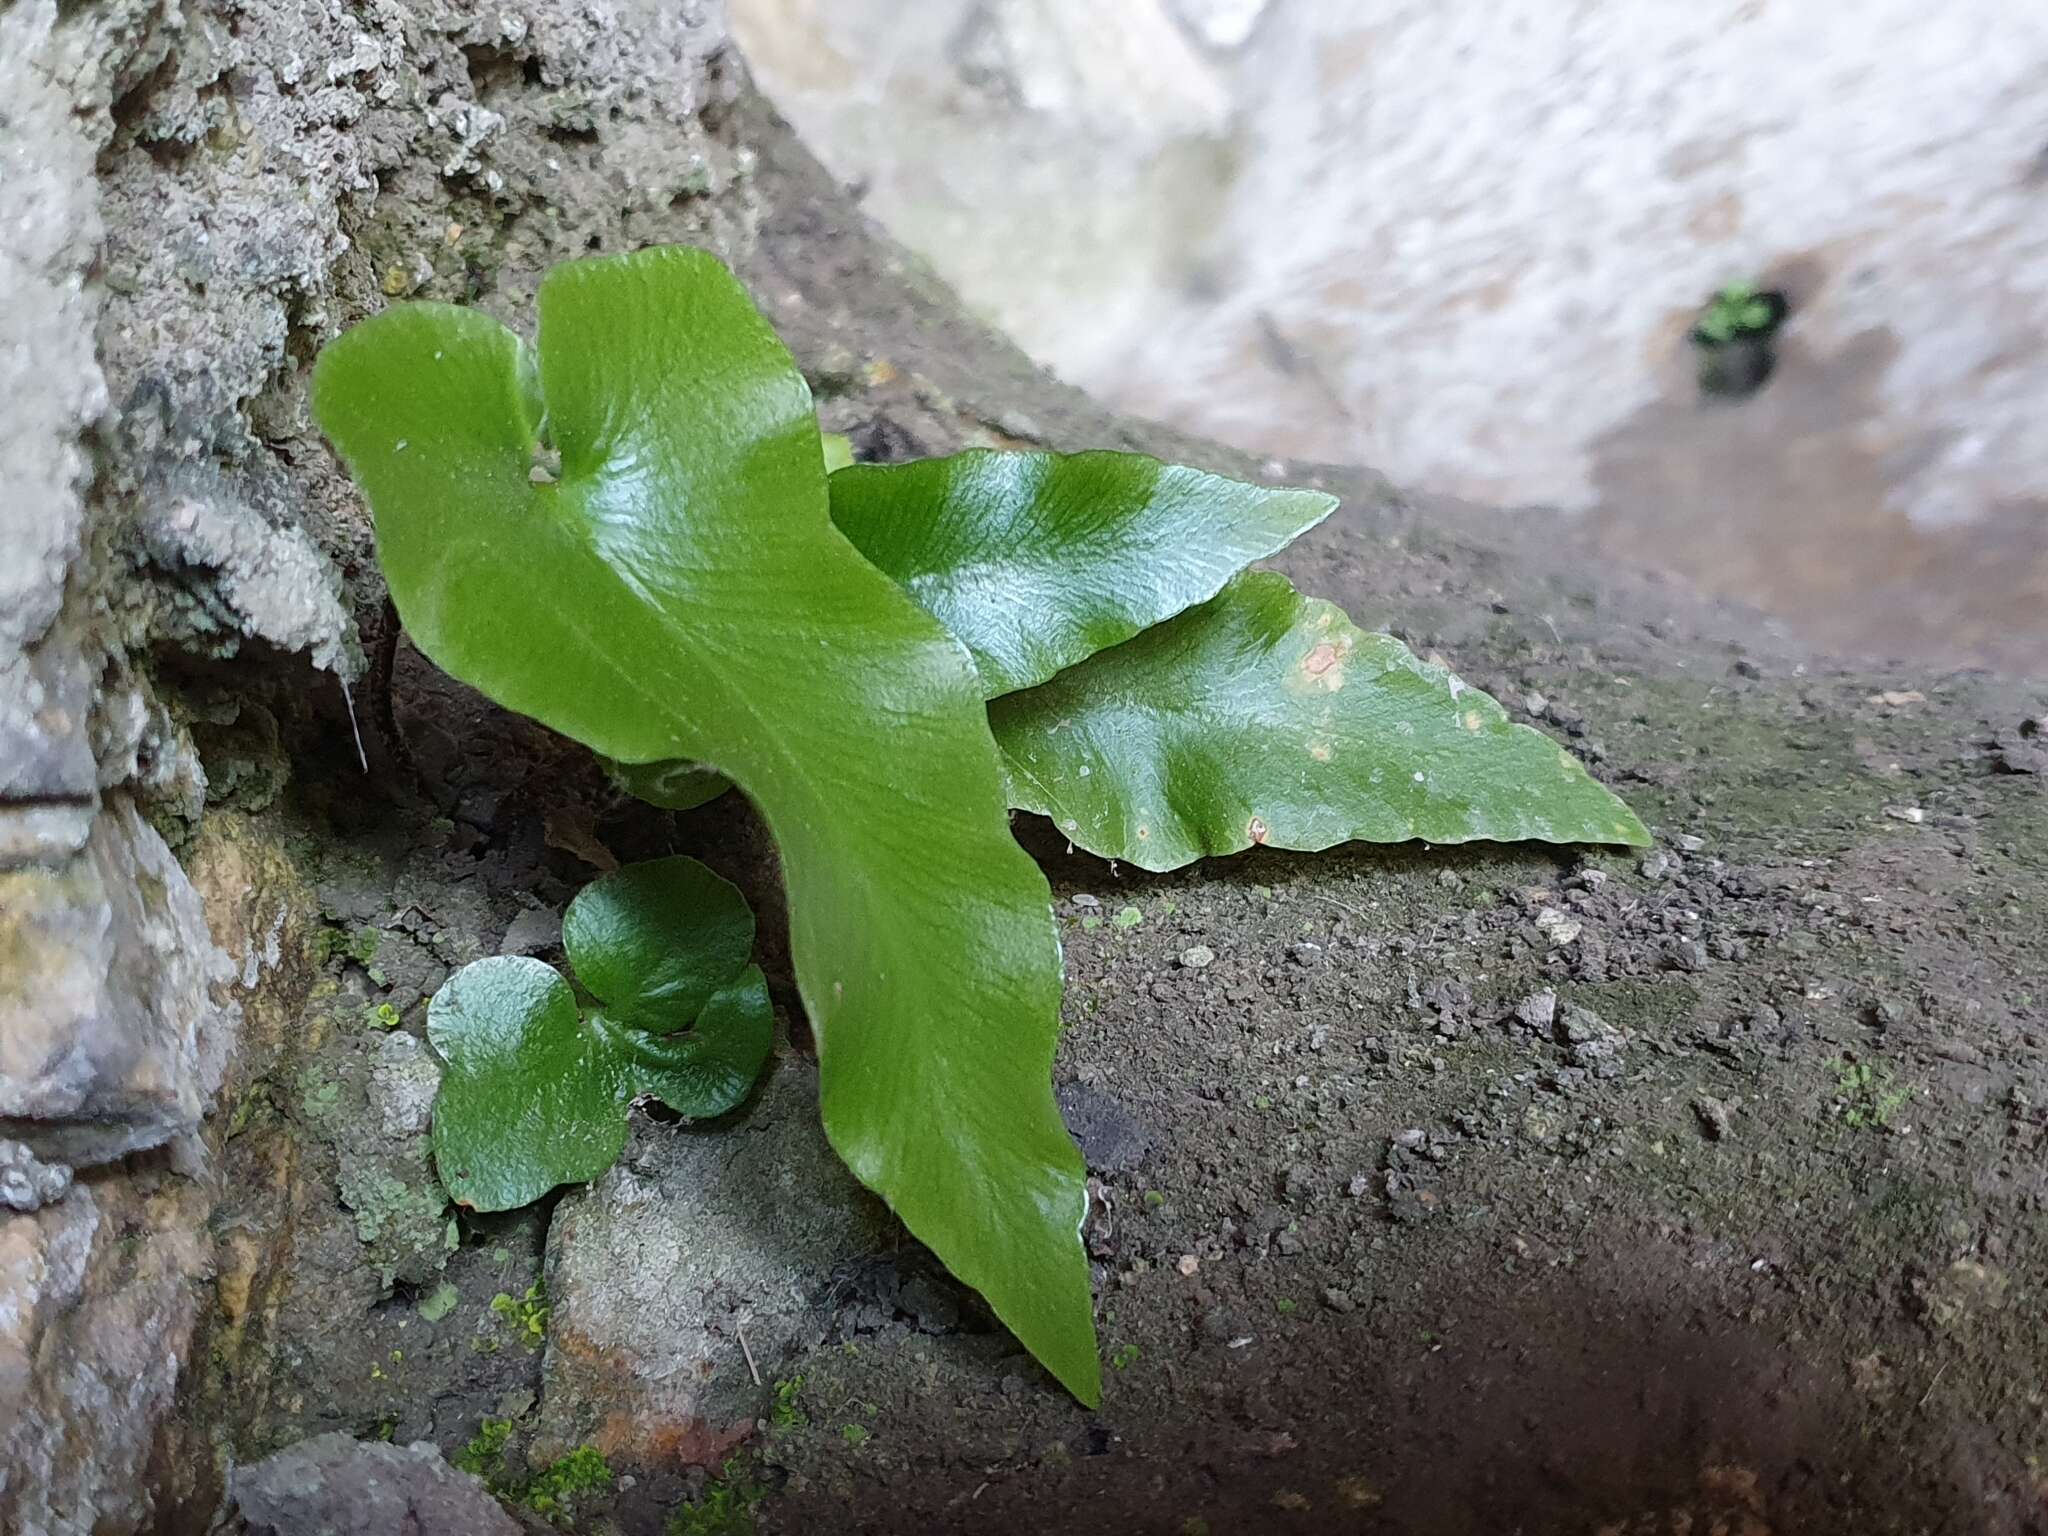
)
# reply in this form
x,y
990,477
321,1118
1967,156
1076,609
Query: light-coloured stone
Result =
x,y
333,1485
27,1183
694,1239
1125,70
1430,208
1222,23
110,1037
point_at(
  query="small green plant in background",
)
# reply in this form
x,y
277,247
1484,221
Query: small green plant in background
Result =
x,y
1739,309
557,1489
484,1455
527,1316
1864,1095
725,1507
1734,337
784,1411
629,533
1126,1356
536,1089
553,1492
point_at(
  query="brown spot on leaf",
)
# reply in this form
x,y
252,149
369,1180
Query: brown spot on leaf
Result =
x,y
1256,829
1472,720
1320,751
1320,660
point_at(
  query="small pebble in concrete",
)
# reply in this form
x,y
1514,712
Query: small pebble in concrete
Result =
x,y
1716,1117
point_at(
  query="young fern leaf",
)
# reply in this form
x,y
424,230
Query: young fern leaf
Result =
x,y
535,1090
678,592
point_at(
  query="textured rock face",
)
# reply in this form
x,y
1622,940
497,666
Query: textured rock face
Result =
x,y
48,376
184,189
112,1041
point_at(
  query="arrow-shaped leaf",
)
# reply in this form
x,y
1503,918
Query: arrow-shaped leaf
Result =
x,y
1266,717
1036,561
673,589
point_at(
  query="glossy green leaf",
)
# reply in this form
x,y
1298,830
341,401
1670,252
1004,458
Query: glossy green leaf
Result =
x,y
536,1090
534,1095
675,590
653,941
1267,717
1039,560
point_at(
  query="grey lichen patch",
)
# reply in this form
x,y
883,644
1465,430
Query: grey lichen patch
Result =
x,y
406,1228
371,1099
27,1183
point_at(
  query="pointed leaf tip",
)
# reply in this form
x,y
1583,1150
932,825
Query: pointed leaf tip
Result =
x,y
1266,718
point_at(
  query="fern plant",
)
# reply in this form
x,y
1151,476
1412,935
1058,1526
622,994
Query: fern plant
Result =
x,y
628,532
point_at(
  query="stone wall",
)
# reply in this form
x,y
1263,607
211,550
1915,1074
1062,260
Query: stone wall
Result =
x,y
192,197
